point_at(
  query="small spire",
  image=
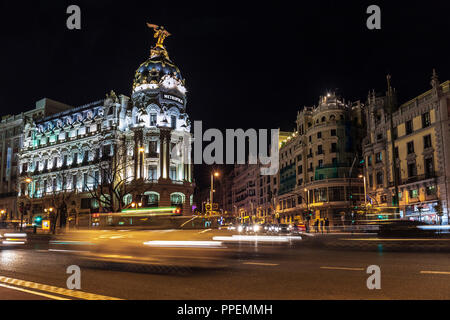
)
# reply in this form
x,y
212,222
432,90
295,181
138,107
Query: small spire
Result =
x,y
434,79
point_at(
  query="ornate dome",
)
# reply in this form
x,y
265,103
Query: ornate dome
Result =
x,y
151,72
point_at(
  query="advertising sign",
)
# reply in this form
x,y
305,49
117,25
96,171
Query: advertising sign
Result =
x,y
45,224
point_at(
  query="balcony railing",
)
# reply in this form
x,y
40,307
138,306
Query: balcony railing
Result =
x,y
430,175
152,155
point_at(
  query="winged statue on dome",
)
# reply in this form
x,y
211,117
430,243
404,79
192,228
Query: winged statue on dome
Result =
x,y
160,33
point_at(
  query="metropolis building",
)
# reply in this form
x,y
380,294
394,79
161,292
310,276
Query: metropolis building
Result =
x,y
113,153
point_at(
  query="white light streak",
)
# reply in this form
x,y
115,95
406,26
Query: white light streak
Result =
x,y
187,244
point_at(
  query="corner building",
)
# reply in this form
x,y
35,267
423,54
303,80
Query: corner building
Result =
x,y
319,164
137,141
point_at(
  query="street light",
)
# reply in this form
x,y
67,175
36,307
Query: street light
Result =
x,y
365,192
28,180
307,204
214,174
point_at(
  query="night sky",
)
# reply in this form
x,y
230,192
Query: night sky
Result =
x,y
249,66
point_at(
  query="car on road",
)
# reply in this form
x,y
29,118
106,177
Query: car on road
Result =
x,y
250,228
404,228
297,228
282,229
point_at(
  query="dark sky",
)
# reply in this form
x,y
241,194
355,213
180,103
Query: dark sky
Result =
x,y
245,66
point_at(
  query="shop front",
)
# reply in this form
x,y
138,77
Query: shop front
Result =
x,y
425,212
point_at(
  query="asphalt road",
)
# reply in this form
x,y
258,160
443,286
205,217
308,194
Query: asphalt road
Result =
x,y
251,271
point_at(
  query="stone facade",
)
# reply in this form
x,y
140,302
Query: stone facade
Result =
x,y
319,163
11,137
421,153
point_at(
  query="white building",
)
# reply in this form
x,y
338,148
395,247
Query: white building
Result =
x,y
105,155
11,141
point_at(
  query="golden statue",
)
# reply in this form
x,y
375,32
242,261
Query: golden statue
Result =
x,y
160,33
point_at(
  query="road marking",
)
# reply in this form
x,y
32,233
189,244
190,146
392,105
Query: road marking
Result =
x,y
34,292
61,250
262,264
435,272
205,230
343,268
47,288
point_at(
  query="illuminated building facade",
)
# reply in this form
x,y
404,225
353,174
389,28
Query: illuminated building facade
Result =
x,y
133,143
11,129
421,153
252,194
319,163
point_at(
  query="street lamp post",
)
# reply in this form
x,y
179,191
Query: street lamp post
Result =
x,y
307,203
214,174
27,181
365,192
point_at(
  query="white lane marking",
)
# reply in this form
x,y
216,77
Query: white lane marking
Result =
x,y
34,292
62,250
261,264
188,244
205,230
343,268
51,289
435,272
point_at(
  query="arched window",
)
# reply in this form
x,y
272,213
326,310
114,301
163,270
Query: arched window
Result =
x,y
152,198
176,199
127,199
332,117
323,119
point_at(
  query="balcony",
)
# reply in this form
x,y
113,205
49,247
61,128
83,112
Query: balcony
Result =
x,y
152,155
429,175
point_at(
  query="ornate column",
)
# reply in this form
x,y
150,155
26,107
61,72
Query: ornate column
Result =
x,y
164,154
138,155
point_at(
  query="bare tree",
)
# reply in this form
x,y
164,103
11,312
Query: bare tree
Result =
x,y
60,197
110,182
